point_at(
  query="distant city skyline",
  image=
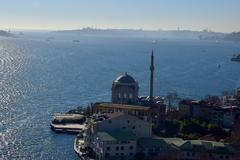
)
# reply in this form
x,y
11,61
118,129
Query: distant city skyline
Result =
x,y
216,15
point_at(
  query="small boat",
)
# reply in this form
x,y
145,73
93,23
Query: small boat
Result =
x,y
236,57
76,41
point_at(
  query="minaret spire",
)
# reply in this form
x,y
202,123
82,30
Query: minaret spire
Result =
x,y
151,77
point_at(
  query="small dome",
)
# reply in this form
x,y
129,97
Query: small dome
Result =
x,y
125,79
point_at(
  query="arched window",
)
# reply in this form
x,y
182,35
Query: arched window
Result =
x,y
130,96
125,95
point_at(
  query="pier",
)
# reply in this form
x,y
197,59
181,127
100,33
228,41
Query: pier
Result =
x,y
68,123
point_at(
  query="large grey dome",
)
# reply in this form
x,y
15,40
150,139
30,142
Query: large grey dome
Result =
x,y
125,79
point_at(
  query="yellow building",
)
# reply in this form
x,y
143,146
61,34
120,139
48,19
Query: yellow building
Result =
x,y
141,112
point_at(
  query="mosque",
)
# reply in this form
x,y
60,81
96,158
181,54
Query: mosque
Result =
x,y
125,98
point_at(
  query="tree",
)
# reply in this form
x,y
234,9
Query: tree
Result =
x,y
172,97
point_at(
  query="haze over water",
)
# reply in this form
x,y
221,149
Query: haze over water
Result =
x,y
39,78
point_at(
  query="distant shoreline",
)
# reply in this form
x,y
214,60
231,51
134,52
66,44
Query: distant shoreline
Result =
x,y
5,34
202,35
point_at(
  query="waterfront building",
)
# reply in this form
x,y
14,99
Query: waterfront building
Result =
x,y
121,121
123,136
113,136
125,90
114,145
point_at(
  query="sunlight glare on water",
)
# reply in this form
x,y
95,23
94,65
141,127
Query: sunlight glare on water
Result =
x,y
39,78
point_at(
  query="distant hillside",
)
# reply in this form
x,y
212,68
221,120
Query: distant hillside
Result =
x,y
5,34
164,34
143,33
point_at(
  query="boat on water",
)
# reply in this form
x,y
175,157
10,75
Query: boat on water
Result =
x,y
75,41
236,57
68,123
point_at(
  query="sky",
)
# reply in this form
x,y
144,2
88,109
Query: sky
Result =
x,y
216,15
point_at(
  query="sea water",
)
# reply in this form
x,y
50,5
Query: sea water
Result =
x,y
40,76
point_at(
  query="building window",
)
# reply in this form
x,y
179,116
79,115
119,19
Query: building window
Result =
x,y
122,154
125,95
116,154
131,154
221,157
133,127
108,148
188,154
131,147
122,147
117,148
128,121
109,121
130,96
119,95
123,127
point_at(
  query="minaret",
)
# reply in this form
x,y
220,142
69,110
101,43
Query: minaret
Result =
x,y
151,77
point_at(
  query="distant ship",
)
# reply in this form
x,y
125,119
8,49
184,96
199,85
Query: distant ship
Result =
x,y
236,57
76,41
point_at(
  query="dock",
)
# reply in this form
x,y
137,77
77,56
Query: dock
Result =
x,y
67,128
68,123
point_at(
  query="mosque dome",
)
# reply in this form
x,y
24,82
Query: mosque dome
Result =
x,y
125,90
125,79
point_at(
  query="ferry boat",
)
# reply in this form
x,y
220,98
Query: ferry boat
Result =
x,y
68,123
236,57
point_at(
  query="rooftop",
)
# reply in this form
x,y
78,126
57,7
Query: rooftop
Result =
x,y
125,79
98,118
124,106
152,142
212,146
116,136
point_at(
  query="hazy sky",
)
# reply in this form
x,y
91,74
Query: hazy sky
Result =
x,y
217,15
